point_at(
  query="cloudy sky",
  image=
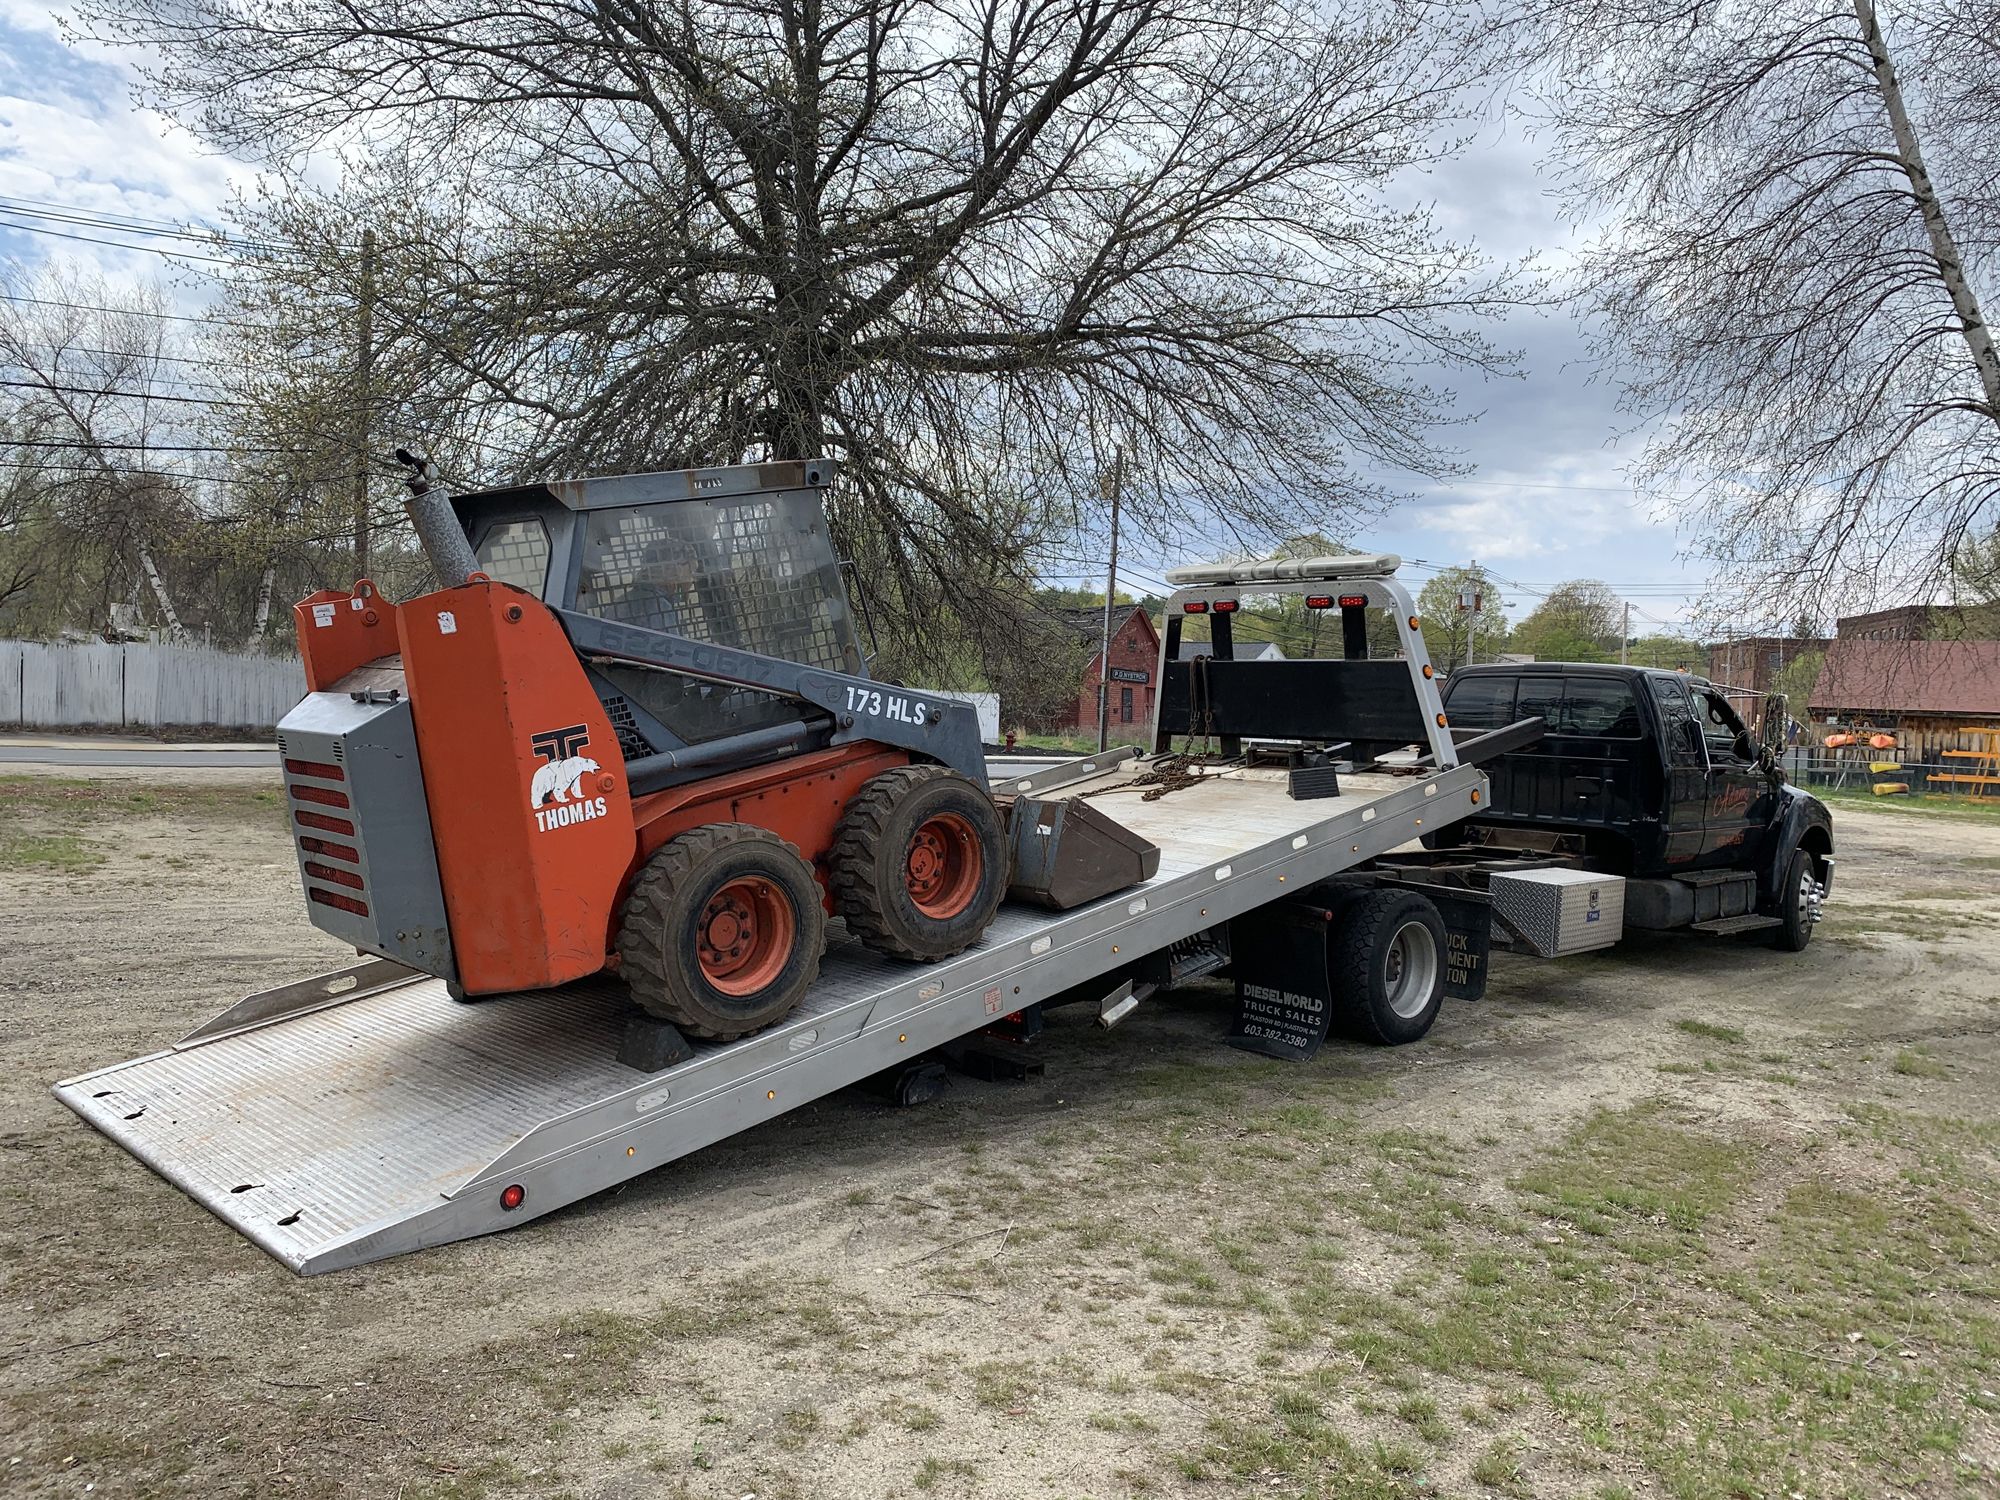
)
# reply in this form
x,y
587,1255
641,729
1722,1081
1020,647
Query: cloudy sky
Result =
x,y
1548,502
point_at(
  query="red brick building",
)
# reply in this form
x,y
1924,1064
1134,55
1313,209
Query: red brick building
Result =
x,y
1135,662
1754,662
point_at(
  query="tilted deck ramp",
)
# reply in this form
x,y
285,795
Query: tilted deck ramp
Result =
x,y
347,1119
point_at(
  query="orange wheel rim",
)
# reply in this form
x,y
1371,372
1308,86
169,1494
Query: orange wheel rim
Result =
x,y
744,937
943,865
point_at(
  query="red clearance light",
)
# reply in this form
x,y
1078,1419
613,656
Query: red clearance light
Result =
x,y
1319,601
347,878
513,1196
1353,601
326,796
322,769
322,822
329,848
1225,606
1195,608
335,899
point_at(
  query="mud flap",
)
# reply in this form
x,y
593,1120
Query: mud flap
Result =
x,y
1286,987
1284,980
1066,853
1468,942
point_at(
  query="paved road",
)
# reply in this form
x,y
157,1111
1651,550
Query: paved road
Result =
x,y
82,750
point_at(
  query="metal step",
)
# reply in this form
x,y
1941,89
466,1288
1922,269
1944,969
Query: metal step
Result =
x,y
1724,926
1716,877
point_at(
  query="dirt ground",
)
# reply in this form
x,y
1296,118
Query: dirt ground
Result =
x,y
1688,1218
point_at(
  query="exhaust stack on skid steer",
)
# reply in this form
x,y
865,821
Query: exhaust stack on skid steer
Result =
x,y
635,731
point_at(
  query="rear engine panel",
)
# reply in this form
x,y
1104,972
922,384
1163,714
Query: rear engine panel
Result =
x,y
354,793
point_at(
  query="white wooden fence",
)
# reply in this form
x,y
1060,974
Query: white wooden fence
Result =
x,y
96,686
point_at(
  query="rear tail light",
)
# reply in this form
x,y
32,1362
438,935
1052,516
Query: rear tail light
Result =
x,y
322,822
330,849
1195,607
335,899
324,770
1225,606
1319,601
325,796
347,878
1353,601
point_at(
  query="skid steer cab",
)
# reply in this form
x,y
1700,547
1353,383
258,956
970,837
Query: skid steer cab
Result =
x,y
637,733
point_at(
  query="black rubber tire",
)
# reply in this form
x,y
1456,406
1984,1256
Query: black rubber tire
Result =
x,y
1796,932
1362,948
658,932
871,849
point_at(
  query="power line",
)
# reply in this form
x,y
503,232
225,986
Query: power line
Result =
x,y
78,390
88,239
77,446
124,312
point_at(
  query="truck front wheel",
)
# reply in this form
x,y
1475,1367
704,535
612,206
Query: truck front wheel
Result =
x,y
1798,895
1390,956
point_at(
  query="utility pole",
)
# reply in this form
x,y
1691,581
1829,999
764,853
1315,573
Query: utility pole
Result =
x,y
1472,608
1115,483
364,363
1625,634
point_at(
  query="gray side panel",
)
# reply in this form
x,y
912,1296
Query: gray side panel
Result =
x,y
384,896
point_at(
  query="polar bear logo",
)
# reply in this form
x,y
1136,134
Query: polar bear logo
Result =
x,y
556,781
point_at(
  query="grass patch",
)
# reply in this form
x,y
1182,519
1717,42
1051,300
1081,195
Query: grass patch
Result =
x,y
1916,1065
1648,1186
82,800
1003,1384
933,1471
1710,1031
1972,809
63,853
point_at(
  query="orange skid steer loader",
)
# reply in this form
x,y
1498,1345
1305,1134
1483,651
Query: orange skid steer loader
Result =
x,y
635,731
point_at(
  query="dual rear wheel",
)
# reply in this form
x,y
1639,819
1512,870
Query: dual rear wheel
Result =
x,y
723,930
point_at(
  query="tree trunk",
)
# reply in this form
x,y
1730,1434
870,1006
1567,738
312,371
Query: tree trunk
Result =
x,y
1951,265
175,629
258,626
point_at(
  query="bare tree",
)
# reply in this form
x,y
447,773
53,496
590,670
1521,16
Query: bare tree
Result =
x,y
946,241
91,417
1799,229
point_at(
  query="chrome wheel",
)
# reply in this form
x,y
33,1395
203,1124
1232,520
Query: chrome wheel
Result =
x,y
1410,969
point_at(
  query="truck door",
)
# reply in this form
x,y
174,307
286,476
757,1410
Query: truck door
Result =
x,y
1738,793
1681,742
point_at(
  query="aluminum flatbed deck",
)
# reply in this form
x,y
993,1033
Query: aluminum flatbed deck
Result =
x,y
349,1119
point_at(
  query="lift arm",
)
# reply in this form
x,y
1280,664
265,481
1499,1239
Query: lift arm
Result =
x,y
942,728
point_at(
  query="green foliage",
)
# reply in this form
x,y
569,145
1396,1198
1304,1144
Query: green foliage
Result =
x,y
1797,679
1448,630
1675,652
1578,621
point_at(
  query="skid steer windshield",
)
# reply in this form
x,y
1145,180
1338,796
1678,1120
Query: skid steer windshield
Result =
x,y
756,573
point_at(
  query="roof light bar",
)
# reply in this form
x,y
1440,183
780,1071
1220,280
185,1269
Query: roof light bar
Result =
x,y
1291,570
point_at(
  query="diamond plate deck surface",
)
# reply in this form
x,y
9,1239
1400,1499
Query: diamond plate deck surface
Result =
x,y
309,1129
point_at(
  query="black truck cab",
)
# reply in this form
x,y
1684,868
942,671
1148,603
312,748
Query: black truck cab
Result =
x,y
1653,776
